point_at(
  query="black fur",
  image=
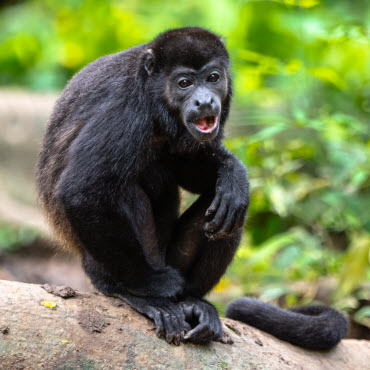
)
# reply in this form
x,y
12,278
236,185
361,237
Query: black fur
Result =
x,y
313,327
120,142
122,139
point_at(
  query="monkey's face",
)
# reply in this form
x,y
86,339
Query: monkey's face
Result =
x,y
198,94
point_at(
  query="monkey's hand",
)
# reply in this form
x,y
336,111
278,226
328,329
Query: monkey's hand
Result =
x,y
227,212
206,320
168,316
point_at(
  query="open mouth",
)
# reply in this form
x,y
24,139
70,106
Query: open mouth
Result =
x,y
206,124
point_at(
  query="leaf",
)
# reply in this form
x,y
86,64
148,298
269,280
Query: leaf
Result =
x,y
328,75
355,264
301,3
362,316
268,249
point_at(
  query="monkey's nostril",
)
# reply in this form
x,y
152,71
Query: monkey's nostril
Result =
x,y
201,103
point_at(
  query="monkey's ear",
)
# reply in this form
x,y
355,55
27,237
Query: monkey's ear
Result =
x,y
149,61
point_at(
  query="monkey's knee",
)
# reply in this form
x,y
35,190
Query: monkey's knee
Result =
x,y
163,283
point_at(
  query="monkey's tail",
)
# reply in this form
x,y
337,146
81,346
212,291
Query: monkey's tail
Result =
x,y
313,327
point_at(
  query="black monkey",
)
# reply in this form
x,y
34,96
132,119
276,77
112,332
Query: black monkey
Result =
x,y
127,132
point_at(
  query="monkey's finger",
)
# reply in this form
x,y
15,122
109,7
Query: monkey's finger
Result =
x,y
216,328
213,322
177,317
179,334
204,337
232,223
239,222
227,225
179,324
192,334
182,328
222,225
200,334
201,313
205,319
169,327
217,221
214,205
157,317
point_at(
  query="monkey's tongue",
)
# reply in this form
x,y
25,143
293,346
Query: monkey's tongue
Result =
x,y
206,124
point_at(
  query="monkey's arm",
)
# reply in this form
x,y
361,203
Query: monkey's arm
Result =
x,y
99,183
227,212
217,171
221,179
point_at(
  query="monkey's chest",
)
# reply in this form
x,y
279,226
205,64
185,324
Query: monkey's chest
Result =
x,y
159,184
161,188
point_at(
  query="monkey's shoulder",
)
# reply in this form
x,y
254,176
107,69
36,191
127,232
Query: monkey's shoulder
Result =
x,y
106,73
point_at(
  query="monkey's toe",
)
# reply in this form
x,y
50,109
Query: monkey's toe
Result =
x,y
208,326
169,319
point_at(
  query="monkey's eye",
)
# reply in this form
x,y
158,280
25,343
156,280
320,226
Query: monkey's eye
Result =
x,y
184,83
213,77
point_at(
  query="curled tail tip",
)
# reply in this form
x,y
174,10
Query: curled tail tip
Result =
x,y
311,327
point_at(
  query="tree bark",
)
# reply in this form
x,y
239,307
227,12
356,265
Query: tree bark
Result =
x,y
91,331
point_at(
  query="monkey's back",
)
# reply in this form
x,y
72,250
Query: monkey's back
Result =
x,y
83,98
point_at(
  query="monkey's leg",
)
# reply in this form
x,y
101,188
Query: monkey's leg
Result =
x,y
202,261
168,316
121,256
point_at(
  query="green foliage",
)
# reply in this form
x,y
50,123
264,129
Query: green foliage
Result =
x,y
12,238
363,316
300,120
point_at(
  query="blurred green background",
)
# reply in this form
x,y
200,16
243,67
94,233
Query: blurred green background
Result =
x,y
300,122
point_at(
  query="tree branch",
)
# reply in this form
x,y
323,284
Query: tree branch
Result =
x,y
94,331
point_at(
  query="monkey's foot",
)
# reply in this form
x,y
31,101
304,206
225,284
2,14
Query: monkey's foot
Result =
x,y
205,317
168,316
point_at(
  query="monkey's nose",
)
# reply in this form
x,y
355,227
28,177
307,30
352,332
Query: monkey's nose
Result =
x,y
204,102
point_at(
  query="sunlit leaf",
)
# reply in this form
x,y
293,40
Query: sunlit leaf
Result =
x,y
268,249
355,263
329,75
362,316
301,3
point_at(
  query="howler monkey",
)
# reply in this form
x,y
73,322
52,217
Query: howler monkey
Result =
x,y
128,131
